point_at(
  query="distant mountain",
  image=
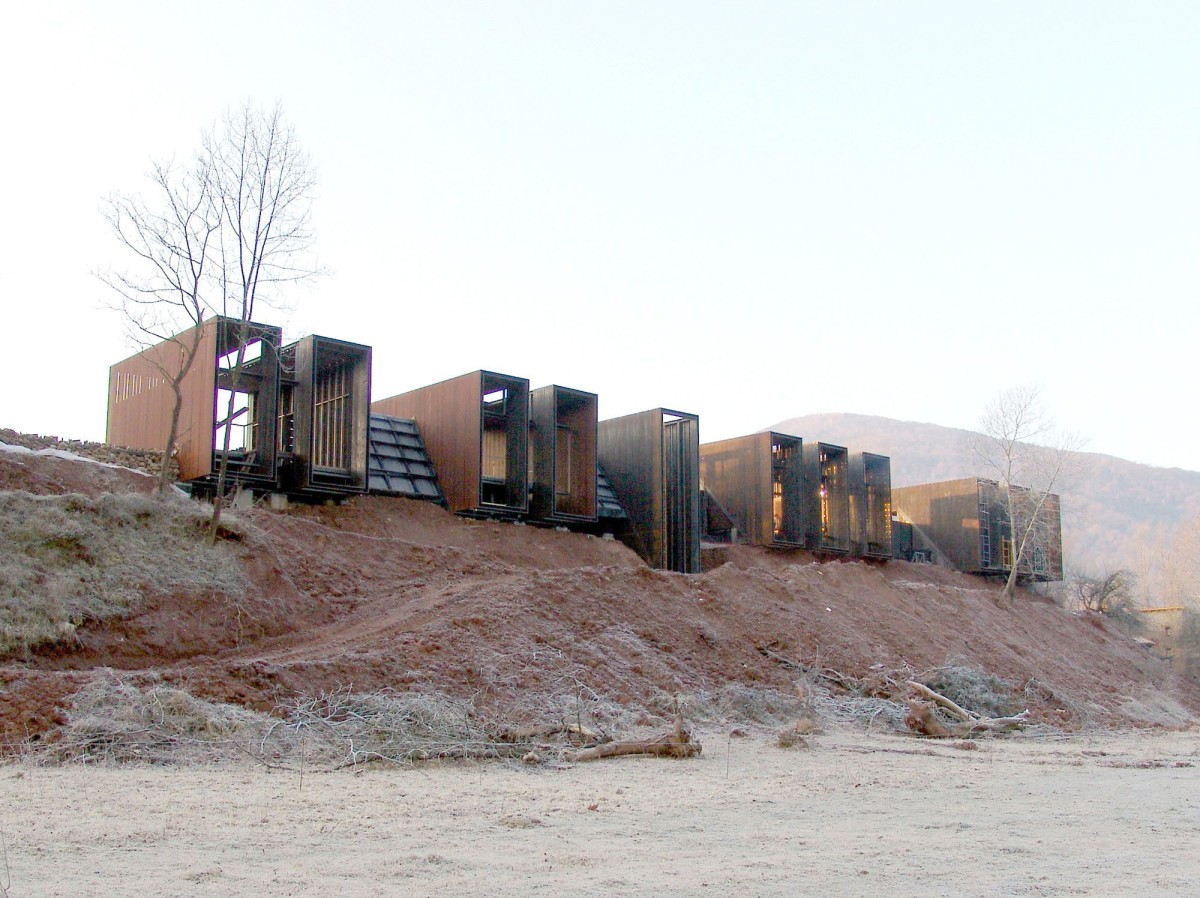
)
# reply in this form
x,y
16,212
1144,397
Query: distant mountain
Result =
x,y
1115,513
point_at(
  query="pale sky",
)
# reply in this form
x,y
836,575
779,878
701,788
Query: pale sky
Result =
x,y
749,211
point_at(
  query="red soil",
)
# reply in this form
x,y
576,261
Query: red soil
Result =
x,y
387,593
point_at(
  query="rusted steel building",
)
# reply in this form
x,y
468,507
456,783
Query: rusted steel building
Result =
x,y
759,480
140,401
476,430
871,505
562,449
652,459
967,520
827,491
324,407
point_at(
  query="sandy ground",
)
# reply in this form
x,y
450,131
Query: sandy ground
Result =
x,y
855,814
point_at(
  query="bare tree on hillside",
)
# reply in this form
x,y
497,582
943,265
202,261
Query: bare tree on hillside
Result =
x,y
1180,581
215,238
264,184
1029,458
1110,592
173,236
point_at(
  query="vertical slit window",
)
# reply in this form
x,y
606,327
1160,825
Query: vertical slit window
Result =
x,y
331,435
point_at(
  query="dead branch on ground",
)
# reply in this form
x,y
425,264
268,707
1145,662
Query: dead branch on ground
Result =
x,y
923,720
676,744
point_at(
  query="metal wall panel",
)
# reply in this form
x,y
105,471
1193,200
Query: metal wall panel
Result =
x,y
871,505
827,491
562,448
967,520
947,513
743,474
652,459
140,399
454,421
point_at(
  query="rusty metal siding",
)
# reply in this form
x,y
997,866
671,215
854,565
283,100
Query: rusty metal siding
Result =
x,y
140,400
316,359
967,520
1054,549
871,505
652,459
562,449
947,513
452,420
827,491
739,473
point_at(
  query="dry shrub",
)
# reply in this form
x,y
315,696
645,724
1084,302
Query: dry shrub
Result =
x,y
116,720
66,560
735,703
855,711
344,728
112,720
976,690
793,736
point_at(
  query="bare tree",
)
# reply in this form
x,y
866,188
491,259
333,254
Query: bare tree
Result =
x,y
1110,592
218,237
1182,567
174,239
264,182
1029,458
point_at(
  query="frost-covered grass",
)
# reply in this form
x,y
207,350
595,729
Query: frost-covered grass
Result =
x,y
65,560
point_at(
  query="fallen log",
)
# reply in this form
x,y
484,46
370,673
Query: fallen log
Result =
x,y
675,744
937,698
654,747
922,719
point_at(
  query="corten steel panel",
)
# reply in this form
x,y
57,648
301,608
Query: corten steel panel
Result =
x,y
140,399
948,513
827,495
965,517
871,505
652,459
452,419
321,360
1052,514
1042,559
740,473
562,449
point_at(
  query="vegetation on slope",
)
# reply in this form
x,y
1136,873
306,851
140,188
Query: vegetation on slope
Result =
x,y
65,560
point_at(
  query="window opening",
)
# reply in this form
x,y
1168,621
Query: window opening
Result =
x,y
494,401
985,536
495,452
331,419
251,353
239,420
287,420
564,450
1039,560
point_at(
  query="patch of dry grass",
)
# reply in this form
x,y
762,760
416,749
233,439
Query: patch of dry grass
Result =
x,y
65,560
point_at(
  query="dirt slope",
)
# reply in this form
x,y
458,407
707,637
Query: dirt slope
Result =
x,y
384,593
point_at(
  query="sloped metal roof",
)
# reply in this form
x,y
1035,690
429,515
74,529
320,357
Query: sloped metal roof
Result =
x,y
397,463
607,504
